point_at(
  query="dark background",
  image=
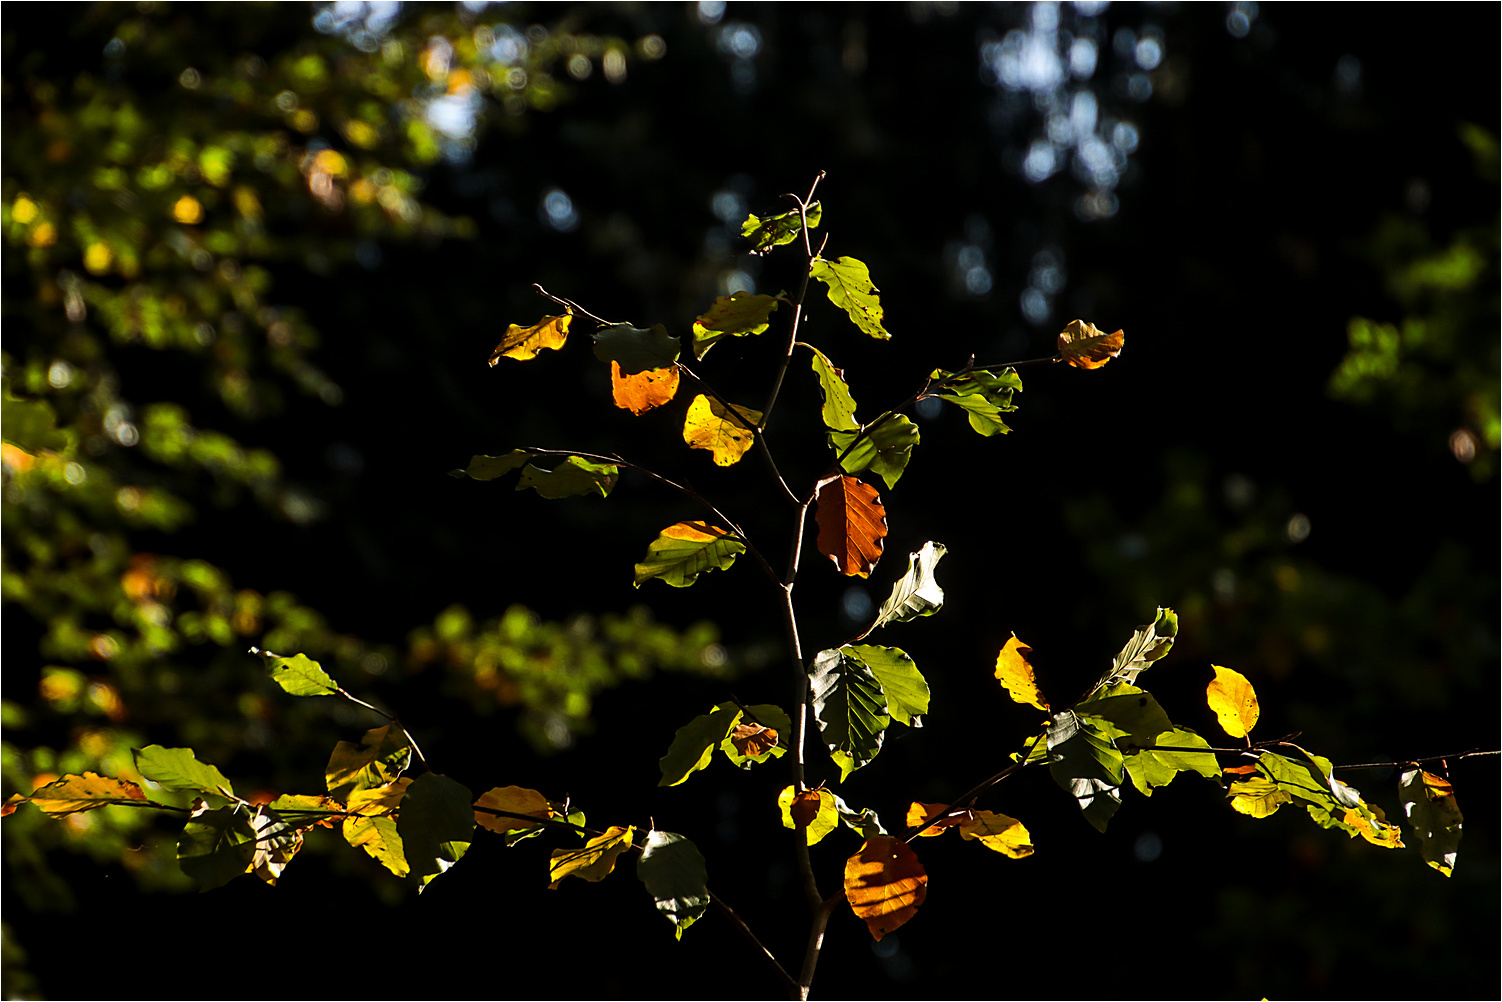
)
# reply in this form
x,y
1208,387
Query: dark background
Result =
x,y
1245,237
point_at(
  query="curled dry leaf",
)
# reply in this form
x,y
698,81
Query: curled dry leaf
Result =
x,y
1085,346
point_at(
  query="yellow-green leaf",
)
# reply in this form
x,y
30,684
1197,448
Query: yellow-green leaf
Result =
x,y
736,315
595,861
814,811
1257,796
850,288
373,828
1016,675
682,552
998,833
1234,701
522,343
712,426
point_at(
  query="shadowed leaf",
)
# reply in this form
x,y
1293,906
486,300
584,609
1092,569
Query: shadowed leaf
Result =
x,y
885,450
737,315
885,884
1430,806
672,869
850,707
634,349
513,800
380,757
217,846
436,823
1085,762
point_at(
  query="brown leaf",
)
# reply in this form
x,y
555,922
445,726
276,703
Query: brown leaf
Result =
x,y
805,808
885,884
1083,345
852,524
522,343
642,391
753,739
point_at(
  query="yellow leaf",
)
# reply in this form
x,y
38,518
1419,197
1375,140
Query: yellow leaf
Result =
x,y
919,812
515,800
188,210
593,862
1083,346
1016,675
373,826
642,391
1376,831
852,524
1257,797
81,793
522,343
1234,701
998,833
710,426
885,884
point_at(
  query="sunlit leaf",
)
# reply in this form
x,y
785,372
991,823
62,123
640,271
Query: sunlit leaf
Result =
x,y
634,349
919,812
1085,762
884,449
522,343
1085,347
80,793
761,735
918,592
1234,701
1152,767
672,869
838,410
380,757
782,228
885,884
575,475
513,800
1374,829
998,833
813,811
217,846
695,742
1257,797
595,861
711,426
852,524
902,685
179,769
373,826
644,391
1430,806
276,842
850,288
1016,675
436,823
299,675
736,315
1148,644
984,396
683,551
850,707
1134,714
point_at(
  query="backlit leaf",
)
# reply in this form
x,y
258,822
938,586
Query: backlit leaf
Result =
x,y
1153,767
380,757
436,823
711,426
595,861
81,793
276,842
299,675
885,884
522,343
179,769
902,685
217,846
695,742
373,828
838,411
885,449
513,800
635,349
1085,347
1135,715
1430,806
1375,829
813,811
1085,762
761,735
683,551
490,467
1016,675
852,524
672,868
575,475
984,396
850,707
782,228
850,288
918,592
1257,797
1234,701
643,391
1148,644
736,315
919,812
998,833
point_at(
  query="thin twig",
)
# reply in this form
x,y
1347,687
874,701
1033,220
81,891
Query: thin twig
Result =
x,y
745,930
570,305
1418,761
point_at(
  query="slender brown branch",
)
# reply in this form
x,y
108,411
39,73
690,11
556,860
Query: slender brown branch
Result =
x,y
816,942
1472,753
399,725
745,930
570,305
792,338
966,798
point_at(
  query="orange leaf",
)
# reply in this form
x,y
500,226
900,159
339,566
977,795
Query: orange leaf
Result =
x,y
752,740
852,523
920,812
885,884
522,343
1016,675
1083,346
642,391
805,808
513,800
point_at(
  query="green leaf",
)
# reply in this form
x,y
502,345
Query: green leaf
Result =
x,y
381,756
918,593
672,869
984,395
1430,806
1150,643
737,315
1135,714
839,405
575,475
298,675
31,424
682,552
903,686
695,743
490,467
782,228
1151,767
1085,762
850,707
217,846
767,715
850,288
865,821
636,350
885,448
436,823
179,769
